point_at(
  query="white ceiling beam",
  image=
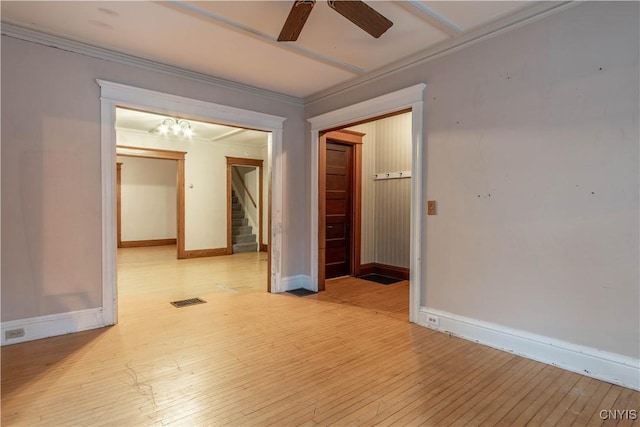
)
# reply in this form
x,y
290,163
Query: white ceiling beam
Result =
x,y
430,16
228,134
259,35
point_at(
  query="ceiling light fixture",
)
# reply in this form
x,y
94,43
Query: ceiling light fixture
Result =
x,y
175,127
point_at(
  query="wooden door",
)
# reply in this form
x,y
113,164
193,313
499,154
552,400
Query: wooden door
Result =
x,y
338,203
339,232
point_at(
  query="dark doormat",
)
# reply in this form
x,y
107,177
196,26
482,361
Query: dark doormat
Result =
x,y
301,292
187,302
378,278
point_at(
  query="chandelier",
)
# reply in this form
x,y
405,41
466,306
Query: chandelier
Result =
x,y
175,127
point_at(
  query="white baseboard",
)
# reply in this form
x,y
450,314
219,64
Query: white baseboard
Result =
x,y
606,366
295,282
52,325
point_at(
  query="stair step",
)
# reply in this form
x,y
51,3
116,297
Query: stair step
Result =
x,y
237,214
244,238
242,229
245,247
236,207
234,199
239,222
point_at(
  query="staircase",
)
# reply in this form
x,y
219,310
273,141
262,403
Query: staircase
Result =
x,y
243,238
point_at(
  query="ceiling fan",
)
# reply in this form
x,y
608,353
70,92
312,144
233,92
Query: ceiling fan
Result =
x,y
357,12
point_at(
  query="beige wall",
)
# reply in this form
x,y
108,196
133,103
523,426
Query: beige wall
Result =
x,y
148,198
51,189
531,150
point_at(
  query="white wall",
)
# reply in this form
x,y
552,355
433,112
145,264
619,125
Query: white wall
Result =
x,y
205,170
148,198
50,111
532,154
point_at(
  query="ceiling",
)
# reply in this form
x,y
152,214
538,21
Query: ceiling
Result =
x,y
138,121
236,40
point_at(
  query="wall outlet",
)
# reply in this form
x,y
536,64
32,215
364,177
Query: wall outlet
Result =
x,y
433,320
14,333
431,207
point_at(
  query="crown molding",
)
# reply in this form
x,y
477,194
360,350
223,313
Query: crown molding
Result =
x,y
16,30
536,12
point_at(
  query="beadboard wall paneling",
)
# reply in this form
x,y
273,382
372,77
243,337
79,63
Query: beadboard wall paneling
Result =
x,y
386,203
393,205
368,202
393,196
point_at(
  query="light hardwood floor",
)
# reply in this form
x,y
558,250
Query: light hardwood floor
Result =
x,y
347,356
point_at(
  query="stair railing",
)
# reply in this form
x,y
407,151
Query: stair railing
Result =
x,y
244,186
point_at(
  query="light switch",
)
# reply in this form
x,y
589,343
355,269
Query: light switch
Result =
x,y
431,207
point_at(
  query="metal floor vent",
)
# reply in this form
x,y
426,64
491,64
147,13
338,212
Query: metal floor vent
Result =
x,y
187,302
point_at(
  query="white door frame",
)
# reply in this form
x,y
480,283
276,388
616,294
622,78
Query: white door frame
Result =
x,y
410,97
114,95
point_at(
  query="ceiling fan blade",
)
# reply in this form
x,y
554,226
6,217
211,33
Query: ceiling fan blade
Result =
x,y
362,15
295,21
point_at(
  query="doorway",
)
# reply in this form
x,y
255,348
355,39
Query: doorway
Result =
x,y
405,99
161,155
245,183
115,95
340,183
365,209
339,209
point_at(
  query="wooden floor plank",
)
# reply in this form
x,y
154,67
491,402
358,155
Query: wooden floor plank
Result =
x,y
625,404
511,397
536,388
468,366
391,400
339,395
593,404
566,402
347,381
379,376
505,366
584,394
440,397
606,403
346,356
484,407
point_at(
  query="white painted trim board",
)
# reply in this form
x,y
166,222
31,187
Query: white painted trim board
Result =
x,y
603,365
54,324
301,281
